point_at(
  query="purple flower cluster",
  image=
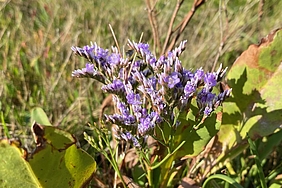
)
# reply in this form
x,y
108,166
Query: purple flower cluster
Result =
x,y
148,89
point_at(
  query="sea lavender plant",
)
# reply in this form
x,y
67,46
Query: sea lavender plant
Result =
x,y
151,94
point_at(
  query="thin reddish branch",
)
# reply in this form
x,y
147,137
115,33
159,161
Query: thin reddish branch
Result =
x,y
169,32
180,28
154,24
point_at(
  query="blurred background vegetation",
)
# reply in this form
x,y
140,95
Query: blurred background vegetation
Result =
x,y
36,60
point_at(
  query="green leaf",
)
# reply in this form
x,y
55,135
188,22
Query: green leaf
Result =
x,y
256,105
14,170
56,137
196,133
68,168
38,115
56,162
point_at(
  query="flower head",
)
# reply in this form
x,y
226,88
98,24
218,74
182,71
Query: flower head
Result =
x,y
149,91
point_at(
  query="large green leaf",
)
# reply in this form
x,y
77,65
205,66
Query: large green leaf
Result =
x,y
256,105
14,170
56,162
196,132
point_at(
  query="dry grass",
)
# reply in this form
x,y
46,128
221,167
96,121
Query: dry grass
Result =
x,y
36,60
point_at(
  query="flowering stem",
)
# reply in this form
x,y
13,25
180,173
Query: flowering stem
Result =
x,y
143,157
110,158
113,159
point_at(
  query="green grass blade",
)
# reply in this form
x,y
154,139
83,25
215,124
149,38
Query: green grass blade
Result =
x,y
222,177
254,152
5,128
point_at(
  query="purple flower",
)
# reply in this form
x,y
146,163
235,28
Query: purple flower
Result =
x,y
199,74
221,97
186,75
114,59
153,82
152,61
145,126
137,110
121,106
102,54
133,99
127,136
207,110
88,70
157,65
115,118
148,91
126,121
155,117
129,120
144,48
172,79
117,87
205,100
148,123
210,80
89,50
137,64
86,52
205,96
189,89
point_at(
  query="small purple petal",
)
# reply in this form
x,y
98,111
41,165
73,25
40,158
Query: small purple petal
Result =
x,y
210,80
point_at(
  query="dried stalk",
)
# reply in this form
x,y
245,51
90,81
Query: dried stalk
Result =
x,y
180,28
154,24
177,31
169,32
260,9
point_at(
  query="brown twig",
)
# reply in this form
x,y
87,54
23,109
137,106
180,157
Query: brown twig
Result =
x,y
180,28
260,9
169,31
154,24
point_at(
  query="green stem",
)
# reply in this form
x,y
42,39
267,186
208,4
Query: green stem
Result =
x,y
112,158
114,162
149,177
167,156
